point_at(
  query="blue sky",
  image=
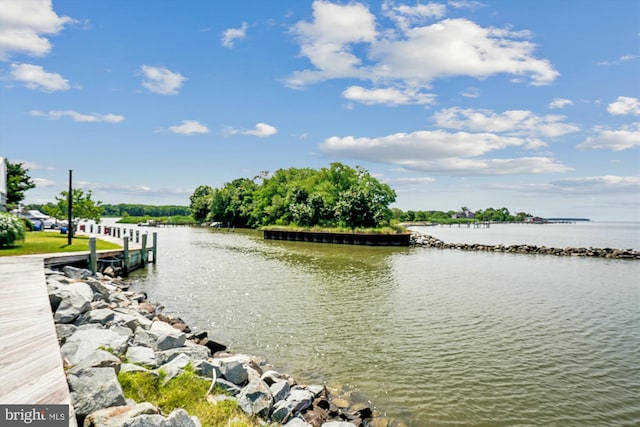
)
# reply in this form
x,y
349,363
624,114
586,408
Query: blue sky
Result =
x,y
531,105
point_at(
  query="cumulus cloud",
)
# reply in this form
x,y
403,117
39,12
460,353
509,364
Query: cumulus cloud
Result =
x,y
78,117
441,152
161,80
24,25
513,122
613,139
406,16
262,130
624,105
44,183
388,96
342,41
232,34
560,103
598,184
189,127
35,77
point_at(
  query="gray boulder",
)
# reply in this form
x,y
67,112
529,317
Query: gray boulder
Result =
x,y
256,398
167,337
102,316
98,359
116,416
228,386
235,372
296,422
64,331
195,353
76,273
173,368
204,368
75,299
94,389
177,418
88,339
280,390
142,356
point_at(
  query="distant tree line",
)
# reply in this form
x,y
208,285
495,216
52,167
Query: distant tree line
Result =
x,y
124,209
338,196
489,214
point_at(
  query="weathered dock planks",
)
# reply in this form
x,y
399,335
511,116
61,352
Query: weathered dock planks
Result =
x,y
31,369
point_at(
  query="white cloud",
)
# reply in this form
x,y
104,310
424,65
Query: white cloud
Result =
x,y
389,96
514,122
624,105
623,58
23,25
560,103
327,41
410,180
161,80
189,127
232,34
261,130
441,152
405,16
616,139
44,183
342,42
35,77
471,92
78,117
598,184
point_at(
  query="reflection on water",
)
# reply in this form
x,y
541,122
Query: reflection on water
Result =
x,y
431,337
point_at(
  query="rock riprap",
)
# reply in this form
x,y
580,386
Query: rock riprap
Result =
x,y
104,328
427,241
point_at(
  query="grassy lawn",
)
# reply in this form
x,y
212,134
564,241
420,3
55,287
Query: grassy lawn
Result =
x,y
39,242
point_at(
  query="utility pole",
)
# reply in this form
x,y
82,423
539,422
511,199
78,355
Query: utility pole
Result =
x,y
70,210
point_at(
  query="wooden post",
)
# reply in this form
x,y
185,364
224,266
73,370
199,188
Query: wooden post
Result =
x,y
155,246
93,258
126,252
143,250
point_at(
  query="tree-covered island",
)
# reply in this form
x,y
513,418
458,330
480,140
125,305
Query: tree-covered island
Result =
x,y
334,197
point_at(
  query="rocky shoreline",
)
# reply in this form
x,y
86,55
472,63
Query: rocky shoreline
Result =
x,y
104,329
428,241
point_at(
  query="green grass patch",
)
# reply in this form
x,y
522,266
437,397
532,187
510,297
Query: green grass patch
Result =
x,y
44,242
392,229
187,391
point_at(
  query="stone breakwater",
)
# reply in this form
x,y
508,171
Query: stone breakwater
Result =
x,y
104,329
427,241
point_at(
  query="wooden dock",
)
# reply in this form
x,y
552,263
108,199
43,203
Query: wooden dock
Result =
x,y
31,369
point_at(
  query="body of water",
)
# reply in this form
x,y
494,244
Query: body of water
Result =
x,y
431,337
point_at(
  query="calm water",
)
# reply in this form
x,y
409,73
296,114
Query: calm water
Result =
x,y
431,337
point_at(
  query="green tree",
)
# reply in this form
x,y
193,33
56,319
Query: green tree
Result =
x,y
200,201
83,206
18,182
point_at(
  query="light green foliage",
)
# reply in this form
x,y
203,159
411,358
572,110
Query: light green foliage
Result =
x,y
11,229
83,206
339,196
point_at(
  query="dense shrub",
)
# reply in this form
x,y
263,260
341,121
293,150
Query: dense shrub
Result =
x,y
28,225
11,229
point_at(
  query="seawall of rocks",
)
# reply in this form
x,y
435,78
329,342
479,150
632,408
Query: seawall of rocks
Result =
x,y
427,241
101,324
